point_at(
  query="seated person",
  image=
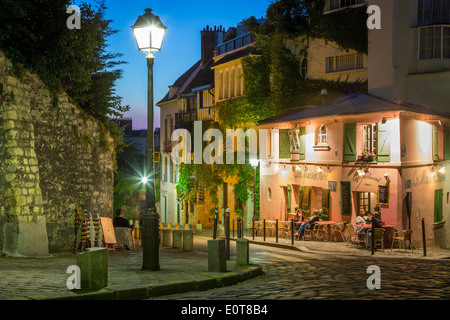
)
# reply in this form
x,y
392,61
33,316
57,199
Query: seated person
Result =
x,y
120,221
377,221
306,225
360,221
298,219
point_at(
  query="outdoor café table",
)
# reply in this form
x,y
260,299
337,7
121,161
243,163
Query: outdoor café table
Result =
x,y
388,232
328,224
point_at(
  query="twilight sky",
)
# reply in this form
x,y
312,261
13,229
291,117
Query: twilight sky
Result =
x,y
181,48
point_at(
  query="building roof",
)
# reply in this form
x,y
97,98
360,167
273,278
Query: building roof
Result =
x,y
353,104
196,76
245,51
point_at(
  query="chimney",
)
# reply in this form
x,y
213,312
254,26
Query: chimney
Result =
x,y
208,43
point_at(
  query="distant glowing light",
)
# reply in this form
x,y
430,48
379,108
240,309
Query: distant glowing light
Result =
x,y
442,170
361,173
144,180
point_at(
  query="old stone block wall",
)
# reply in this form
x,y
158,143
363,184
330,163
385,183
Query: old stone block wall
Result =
x,y
53,158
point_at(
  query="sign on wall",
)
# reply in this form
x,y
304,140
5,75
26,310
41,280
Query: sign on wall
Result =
x,y
383,195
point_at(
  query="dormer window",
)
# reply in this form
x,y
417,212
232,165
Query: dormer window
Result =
x,y
338,4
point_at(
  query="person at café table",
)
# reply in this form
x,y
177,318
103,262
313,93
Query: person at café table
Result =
x,y
307,225
298,219
360,221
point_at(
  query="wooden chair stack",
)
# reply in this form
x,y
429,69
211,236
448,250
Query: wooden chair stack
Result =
x,y
88,230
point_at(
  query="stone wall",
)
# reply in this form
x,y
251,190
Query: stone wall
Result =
x,y
53,158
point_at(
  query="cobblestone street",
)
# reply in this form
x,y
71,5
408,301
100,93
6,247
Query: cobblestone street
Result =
x,y
299,275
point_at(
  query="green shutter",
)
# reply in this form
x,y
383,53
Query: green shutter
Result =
x,y
438,195
306,201
446,143
284,144
350,142
302,143
326,204
384,143
435,144
300,196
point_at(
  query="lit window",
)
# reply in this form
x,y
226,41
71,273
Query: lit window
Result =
x,y
322,136
370,138
433,12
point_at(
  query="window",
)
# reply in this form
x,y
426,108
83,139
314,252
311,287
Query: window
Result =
x,y
433,12
438,206
344,63
370,138
322,136
434,42
363,202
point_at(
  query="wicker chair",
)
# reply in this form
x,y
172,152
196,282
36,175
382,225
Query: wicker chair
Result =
x,y
406,237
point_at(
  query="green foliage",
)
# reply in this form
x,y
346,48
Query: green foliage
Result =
x,y
34,35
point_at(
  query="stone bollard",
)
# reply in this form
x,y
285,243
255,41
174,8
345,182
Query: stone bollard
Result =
x,y
176,239
242,252
167,237
217,259
188,240
93,263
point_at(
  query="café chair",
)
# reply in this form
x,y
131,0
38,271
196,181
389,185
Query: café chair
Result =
x,y
378,238
338,228
402,239
353,237
311,232
321,232
124,238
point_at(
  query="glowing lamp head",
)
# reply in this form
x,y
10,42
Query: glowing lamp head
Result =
x,y
149,33
144,180
254,163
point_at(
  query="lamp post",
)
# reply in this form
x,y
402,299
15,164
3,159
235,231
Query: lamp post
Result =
x,y
149,33
254,163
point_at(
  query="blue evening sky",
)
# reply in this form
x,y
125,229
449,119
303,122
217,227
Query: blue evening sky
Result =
x,y
181,48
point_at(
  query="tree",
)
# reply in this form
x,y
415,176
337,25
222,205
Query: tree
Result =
x,y
34,35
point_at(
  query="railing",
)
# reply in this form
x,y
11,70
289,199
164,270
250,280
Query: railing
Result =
x,y
185,120
235,43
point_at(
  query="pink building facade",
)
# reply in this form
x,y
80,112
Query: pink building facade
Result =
x,y
314,159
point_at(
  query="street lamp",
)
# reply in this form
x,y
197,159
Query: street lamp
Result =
x,y
254,163
149,33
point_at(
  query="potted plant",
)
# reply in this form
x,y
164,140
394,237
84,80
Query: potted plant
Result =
x,y
367,155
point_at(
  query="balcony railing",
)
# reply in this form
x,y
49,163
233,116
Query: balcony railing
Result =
x,y
185,120
235,43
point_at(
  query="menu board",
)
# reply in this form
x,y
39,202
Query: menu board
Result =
x,y
383,195
346,198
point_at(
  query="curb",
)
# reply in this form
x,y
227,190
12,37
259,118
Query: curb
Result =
x,y
155,291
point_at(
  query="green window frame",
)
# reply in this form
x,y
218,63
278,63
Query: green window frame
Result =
x,y
384,143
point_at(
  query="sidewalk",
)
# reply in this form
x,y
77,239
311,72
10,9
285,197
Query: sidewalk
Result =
x,y
45,278
341,248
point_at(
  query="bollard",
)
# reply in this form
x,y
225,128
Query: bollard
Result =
x,y
424,238
233,229
242,252
227,235
215,224
167,237
264,229
217,261
276,230
93,263
176,239
239,228
292,231
188,240
253,228
373,236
